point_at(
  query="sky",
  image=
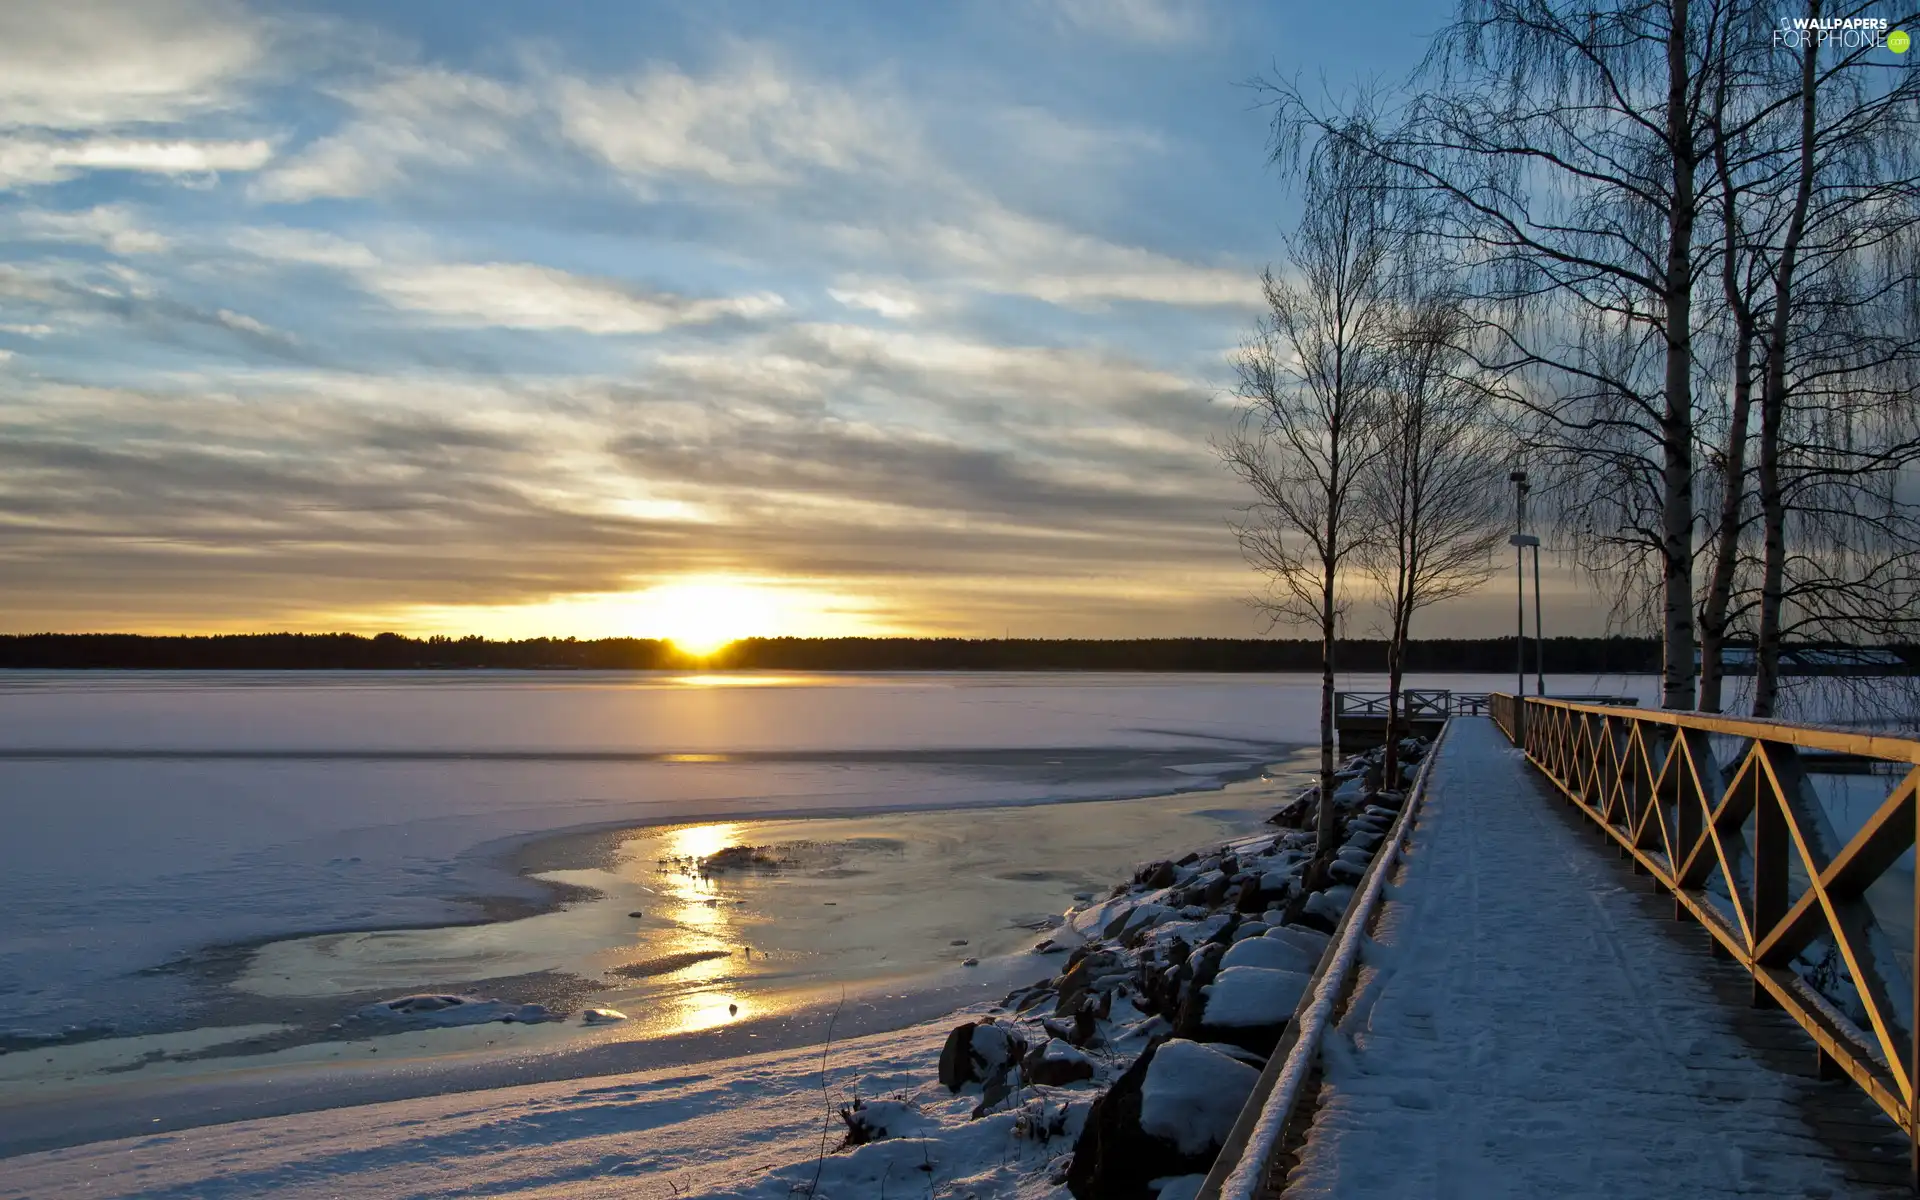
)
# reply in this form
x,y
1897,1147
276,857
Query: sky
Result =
x,y
625,318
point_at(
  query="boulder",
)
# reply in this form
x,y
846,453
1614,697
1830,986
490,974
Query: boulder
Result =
x,y
1342,870
1269,952
1215,891
1330,905
1055,1063
1158,1122
978,1053
956,1058
872,1120
1310,940
1192,1094
1157,875
1250,1006
1081,972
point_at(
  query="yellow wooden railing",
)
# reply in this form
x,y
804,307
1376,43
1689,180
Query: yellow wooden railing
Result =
x,y
1651,780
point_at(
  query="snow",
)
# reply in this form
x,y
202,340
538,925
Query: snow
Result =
x,y
1271,953
1193,1093
1251,996
1522,1026
1330,904
1177,1187
1310,941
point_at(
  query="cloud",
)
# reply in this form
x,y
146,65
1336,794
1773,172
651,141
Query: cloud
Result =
x,y
529,296
893,303
503,295
421,117
36,160
1149,22
81,64
310,247
112,227
752,123
990,247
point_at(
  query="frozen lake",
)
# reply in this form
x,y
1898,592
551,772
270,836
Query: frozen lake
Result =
x,y
151,816
259,851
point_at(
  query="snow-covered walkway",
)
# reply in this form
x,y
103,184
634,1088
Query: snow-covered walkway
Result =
x,y
1524,1027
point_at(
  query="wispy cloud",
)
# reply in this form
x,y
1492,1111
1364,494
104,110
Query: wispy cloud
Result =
x,y
1155,22
113,227
529,296
86,64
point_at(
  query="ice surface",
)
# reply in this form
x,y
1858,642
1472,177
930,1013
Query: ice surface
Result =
x,y
445,1011
149,815
1192,1094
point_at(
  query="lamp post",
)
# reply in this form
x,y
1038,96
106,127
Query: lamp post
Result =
x,y
1520,540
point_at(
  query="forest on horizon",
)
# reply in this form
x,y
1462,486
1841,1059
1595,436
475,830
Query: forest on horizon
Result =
x,y
390,651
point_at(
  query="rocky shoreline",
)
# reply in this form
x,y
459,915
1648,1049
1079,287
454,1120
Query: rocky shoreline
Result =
x,y
1142,1048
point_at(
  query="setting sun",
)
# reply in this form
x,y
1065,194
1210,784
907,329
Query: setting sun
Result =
x,y
700,618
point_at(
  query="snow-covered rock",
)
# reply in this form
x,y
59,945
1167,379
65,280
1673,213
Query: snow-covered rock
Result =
x,y
871,1120
1192,1094
978,1053
1248,996
1054,1063
603,1016
1311,940
1331,904
1269,952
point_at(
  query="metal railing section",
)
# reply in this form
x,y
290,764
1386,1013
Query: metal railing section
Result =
x,y
1746,848
1425,704
1241,1170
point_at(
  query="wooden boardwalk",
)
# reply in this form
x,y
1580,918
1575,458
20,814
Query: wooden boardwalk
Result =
x,y
1530,1020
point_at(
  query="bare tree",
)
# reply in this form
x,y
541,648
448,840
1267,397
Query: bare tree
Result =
x,y
1817,206
1311,376
1433,496
1561,145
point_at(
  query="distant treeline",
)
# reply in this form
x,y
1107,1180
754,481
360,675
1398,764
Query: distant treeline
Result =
x,y
392,652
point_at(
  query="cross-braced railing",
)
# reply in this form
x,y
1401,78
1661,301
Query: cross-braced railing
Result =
x,y
1748,850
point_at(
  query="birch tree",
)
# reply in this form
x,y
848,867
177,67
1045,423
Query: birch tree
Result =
x,y
1433,495
1311,377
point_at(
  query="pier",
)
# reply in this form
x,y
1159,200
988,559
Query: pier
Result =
x,y
1586,973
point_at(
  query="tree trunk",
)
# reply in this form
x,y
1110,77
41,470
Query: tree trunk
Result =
x,y
1773,405
1324,819
1726,560
1713,614
1677,642
1396,659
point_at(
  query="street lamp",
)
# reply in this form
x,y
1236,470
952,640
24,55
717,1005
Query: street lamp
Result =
x,y
1520,540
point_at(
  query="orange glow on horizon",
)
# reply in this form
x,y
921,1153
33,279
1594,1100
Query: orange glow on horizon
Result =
x,y
699,615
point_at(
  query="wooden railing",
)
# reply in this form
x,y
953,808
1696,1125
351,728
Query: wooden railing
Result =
x,y
1747,849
